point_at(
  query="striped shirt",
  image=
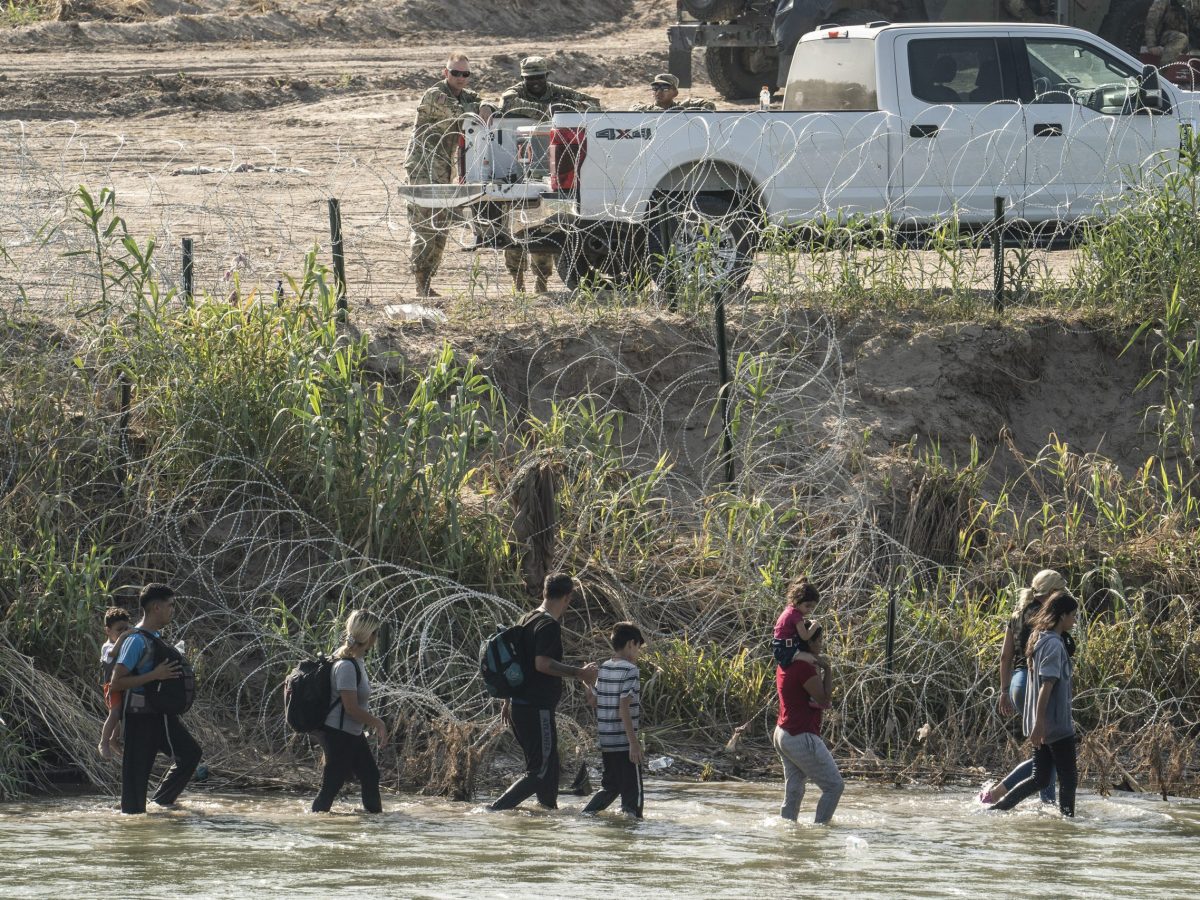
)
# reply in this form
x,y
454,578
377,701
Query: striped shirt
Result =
x,y
618,678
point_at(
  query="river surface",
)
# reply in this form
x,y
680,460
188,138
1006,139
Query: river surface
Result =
x,y
697,841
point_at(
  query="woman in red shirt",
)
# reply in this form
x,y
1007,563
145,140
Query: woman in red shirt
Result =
x,y
804,690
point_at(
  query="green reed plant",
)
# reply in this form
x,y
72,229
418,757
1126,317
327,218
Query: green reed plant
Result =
x,y
705,685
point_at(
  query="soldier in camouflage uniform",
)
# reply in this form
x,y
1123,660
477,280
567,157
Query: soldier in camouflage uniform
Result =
x,y
430,160
536,97
666,90
1166,30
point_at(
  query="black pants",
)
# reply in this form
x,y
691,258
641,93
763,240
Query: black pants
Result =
x,y
345,755
537,733
1047,759
621,778
147,735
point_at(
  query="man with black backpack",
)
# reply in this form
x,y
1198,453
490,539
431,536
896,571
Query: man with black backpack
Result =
x,y
145,663
531,709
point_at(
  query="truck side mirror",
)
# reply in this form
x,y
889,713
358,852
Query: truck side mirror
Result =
x,y
1150,95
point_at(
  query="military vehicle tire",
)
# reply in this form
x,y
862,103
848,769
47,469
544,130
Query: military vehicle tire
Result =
x,y
713,10
738,73
1125,24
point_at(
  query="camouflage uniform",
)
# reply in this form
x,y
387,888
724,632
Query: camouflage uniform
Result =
x,y
1170,42
518,102
688,104
430,160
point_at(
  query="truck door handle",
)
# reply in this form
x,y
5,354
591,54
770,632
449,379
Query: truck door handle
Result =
x,y
923,131
1047,129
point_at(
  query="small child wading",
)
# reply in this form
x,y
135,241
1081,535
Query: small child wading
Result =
x,y
792,629
617,698
116,623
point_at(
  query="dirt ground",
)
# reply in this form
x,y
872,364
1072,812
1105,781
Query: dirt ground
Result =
x,y
233,122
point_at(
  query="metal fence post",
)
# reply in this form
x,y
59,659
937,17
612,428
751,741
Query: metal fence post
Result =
x,y
726,382
998,256
188,265
126,393
339,257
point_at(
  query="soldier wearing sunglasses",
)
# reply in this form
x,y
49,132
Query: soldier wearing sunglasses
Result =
x,y
666,92
430,160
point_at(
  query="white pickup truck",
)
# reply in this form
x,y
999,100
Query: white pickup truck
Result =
x,y
914,122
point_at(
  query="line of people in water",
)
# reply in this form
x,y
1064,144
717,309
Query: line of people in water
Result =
x,y
1035,672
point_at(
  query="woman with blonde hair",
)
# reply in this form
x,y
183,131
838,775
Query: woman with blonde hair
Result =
x,y
346,748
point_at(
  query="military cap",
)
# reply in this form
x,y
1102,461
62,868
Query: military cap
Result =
x,y
665,79
534,65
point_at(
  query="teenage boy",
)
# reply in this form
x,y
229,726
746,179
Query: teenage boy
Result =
x,y
617,698
148,733
532,714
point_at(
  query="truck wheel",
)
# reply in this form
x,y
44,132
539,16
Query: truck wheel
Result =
x,y
1125,24
713,10
738,73
703,239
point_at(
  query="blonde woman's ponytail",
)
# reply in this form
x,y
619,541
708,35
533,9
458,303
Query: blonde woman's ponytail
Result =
x,y
360,628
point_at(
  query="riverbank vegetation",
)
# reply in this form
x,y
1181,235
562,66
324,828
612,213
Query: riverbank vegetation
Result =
x,y
281,466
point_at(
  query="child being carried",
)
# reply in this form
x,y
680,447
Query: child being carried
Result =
x,y
793,628
116,623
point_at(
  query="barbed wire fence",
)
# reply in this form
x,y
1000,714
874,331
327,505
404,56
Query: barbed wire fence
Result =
x,y
254,560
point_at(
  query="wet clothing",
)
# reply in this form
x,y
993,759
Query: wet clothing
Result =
x,y
622,778
429,159
347,754
146,735
797,714
1016,693
687,104
348,675
618,678
1050,662
797,740
541,636
1050,757
537,733
805,757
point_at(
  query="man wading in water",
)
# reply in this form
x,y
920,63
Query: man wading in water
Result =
x,y
147,731
532,714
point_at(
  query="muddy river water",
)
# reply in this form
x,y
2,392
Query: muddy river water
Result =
x,y
696,841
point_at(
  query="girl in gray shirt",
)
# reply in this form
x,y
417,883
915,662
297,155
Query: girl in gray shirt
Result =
x,y
1047,713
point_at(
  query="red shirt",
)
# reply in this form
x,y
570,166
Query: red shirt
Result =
x,y
785,625
796,714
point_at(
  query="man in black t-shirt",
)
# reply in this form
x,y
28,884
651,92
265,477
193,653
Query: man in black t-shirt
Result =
x,y
532,714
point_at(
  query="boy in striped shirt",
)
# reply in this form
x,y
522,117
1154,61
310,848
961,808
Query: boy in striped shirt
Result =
x,y
617,699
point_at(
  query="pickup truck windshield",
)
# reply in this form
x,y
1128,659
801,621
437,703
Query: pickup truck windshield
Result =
x,y
832,74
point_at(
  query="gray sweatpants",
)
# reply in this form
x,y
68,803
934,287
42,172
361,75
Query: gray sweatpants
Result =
x,y
805,756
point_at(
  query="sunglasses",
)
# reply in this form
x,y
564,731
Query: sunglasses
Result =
x,y
459,73
660,87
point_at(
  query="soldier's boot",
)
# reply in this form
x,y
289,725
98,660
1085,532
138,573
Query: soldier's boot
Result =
x,y
423,286
542,287
519,282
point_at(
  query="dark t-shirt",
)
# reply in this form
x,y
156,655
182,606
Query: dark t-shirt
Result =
x,y
1021,625
542,637
796,714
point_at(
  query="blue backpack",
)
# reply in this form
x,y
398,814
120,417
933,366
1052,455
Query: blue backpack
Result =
x,y
500,662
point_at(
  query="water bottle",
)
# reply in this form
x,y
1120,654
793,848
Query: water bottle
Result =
x,y
181,646
764,98
659,763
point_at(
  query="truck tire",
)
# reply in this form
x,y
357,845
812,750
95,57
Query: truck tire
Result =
x,y
1125,24
702,238
713,10
738,73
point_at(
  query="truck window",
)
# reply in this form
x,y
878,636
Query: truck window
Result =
x,y
832,74
958,70
1074,72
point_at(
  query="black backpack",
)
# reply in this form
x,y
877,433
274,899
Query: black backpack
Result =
x,y
308,693
171,696
500,662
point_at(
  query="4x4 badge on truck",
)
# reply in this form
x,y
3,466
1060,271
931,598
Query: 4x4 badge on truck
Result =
x,y
624,134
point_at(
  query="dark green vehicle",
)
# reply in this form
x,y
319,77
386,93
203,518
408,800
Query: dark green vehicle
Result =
x,y
749,43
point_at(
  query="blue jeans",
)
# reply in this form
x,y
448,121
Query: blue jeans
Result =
x,y
1016,693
